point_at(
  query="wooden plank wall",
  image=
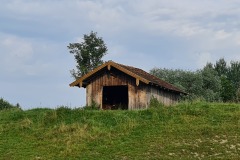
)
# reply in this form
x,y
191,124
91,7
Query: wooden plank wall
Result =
x,y
109,78
164,96
137,96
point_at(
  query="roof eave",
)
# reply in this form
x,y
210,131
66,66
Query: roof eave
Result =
x,y
173,90
79,82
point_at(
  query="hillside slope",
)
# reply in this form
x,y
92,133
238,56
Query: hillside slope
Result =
x,y
186,131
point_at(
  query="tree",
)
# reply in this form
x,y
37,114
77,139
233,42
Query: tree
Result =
x,y
193,83
234,76
221,67
211,83
227,90
88,54
6,105
238,95
219,82
234,73
190,82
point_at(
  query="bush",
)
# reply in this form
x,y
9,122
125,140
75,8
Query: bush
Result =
x,y
154,103
6,105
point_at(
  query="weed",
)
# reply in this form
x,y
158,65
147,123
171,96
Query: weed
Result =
x,y
93,106
25,123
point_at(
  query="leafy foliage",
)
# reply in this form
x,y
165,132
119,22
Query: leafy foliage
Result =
x,y
211,83
221,67
88,54
238,95
218,82
6,105
188,81
155,104
227,90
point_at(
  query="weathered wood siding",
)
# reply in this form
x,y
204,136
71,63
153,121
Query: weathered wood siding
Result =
x,y
138,96
109,78
164,96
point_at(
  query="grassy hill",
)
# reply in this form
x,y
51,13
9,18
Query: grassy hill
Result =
x,y
196,130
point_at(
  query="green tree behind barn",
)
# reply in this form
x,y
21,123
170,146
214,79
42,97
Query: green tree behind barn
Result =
x,y
218,82
88,54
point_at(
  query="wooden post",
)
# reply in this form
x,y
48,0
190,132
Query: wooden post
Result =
x,y
80,84
109,67
137,81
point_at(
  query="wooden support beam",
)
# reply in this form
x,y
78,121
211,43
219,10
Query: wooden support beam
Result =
x,y
137,81
109,67
80,84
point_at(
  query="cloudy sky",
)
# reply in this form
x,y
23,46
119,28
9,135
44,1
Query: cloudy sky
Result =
x,y
34,35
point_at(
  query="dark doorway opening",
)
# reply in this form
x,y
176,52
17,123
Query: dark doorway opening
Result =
x,y
115,97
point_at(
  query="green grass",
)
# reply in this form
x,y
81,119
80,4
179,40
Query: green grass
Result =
x,y
197,130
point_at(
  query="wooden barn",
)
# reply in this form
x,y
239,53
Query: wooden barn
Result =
x,y
117,86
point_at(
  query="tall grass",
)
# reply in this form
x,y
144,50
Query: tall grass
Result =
x,y
189,130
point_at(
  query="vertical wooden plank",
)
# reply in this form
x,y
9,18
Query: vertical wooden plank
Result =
x,y
137,82
148,92
101,96
98,90
89,94
142,97
130,97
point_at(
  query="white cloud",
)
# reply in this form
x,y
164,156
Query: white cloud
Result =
x,y
16,53
221,35
30,57
17,47
203,58
186,18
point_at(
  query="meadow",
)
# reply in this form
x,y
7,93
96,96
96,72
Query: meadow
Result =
x,y
188,130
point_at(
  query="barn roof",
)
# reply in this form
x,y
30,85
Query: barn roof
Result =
x,y
138,74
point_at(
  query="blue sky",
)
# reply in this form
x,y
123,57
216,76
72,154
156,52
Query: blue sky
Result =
x,y
34,35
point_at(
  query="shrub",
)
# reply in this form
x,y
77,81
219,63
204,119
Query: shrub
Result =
x,y
154,103
6,105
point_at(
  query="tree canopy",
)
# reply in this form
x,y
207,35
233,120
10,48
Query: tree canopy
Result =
x,y
218,82
88,54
